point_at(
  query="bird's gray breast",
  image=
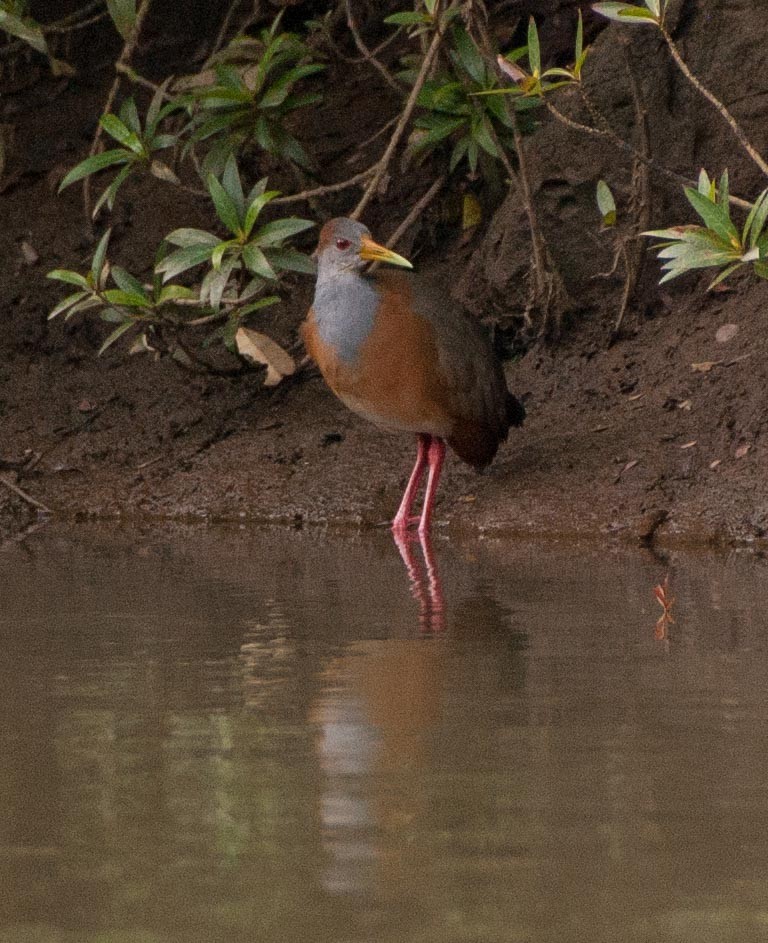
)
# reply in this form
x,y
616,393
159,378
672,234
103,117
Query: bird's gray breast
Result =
x,y
345,310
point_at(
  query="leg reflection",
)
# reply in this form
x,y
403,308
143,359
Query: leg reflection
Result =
x,y
424,578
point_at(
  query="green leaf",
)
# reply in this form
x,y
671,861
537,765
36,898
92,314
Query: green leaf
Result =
x,y
256,205
122,134
623,12
278,93
25,29
109,194
99,258
192,237
406,19
154,112
217,256
92,165
129,115
579,50
606,203
258,305
71,278
123,13
116,296
183,259
231,182
724,274
654,6
128,283
756,220
174,293
482,134
116,335
226,208
274,233
292,260
534,52
459,153
68,302
715,216
468,55
257,263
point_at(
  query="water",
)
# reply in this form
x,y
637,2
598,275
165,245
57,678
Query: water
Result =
x,y
277,736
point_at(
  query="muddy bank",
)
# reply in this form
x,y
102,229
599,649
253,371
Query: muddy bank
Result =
x,y
658,433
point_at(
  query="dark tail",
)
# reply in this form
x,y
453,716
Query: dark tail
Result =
x,y
515,410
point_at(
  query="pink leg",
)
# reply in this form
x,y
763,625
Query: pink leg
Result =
x,y
435,457
403,516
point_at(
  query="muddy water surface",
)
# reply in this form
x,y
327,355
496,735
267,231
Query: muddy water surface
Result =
x,y
273,736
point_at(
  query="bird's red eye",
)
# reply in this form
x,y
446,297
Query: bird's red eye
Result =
x,y
343,244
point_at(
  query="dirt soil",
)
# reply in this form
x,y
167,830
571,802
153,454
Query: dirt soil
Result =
x,y
660,434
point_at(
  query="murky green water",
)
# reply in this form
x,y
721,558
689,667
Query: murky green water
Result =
x,y
265,736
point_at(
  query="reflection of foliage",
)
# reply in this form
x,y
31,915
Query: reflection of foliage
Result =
x,y
666,600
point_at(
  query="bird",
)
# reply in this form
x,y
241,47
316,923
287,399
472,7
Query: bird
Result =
x,y
396,349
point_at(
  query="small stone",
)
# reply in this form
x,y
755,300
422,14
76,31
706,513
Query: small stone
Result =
x,y
726,333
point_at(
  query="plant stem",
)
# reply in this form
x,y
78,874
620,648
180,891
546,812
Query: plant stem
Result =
x,y
369,56
405,117
714,100
619,142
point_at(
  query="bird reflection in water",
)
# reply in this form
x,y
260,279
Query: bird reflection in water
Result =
x,y
424,578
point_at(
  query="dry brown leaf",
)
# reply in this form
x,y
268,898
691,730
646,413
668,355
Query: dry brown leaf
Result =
x,y
742,450
706,365
163,172
689,445
258,348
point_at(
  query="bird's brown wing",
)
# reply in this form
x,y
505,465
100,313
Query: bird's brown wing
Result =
x,y
467,373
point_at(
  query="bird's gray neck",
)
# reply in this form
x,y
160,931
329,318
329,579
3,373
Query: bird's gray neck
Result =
x,y
345,309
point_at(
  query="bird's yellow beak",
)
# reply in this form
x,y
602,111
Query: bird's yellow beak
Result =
x,y
371,251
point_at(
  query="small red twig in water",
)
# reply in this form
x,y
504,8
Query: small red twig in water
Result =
x,y
666,601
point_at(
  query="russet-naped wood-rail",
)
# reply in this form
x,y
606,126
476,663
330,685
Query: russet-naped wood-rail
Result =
x,y
396,349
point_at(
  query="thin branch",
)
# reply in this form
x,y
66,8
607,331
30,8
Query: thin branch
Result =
x,y
223,29
355,60
405,117
328,188
369,56
417,210
610,135
715,101
33,502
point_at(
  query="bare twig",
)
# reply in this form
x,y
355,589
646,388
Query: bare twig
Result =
x,y
640,204
416,211
608,134
549,292
33,502
369,56
715,101
328,188
339,53
405,117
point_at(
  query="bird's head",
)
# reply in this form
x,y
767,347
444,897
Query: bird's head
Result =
x,y
346,245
